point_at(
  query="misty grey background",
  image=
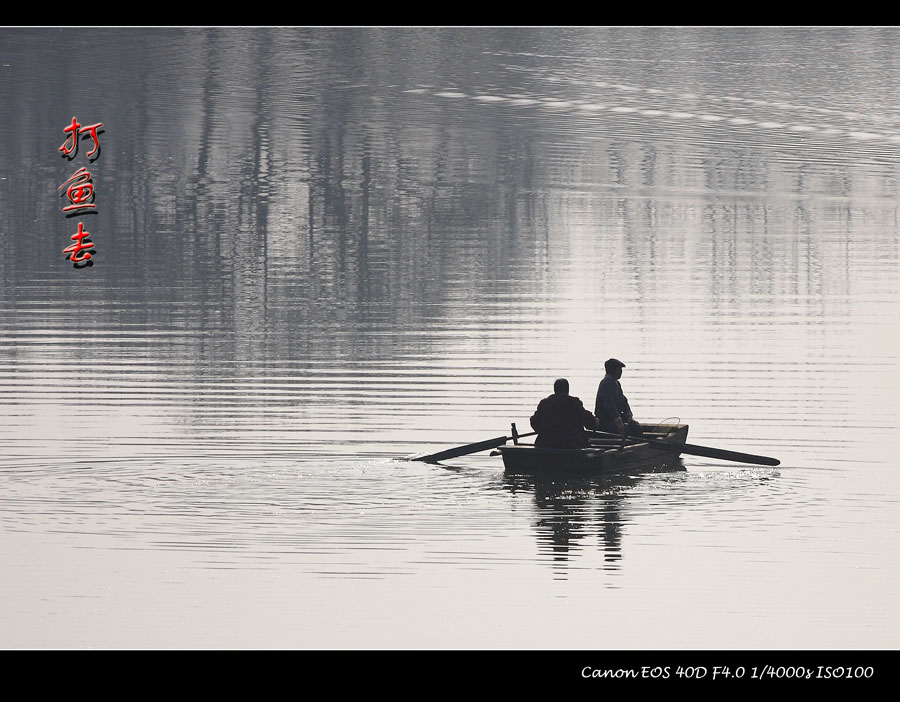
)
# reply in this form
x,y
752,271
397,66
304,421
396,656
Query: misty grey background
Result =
x,y
319,250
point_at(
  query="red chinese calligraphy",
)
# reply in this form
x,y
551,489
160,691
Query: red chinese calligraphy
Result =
x,y
81,243
75,130
73,137
79,189
92,130
80,192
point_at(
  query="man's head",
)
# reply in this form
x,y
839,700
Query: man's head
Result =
x,y
614,367
561,387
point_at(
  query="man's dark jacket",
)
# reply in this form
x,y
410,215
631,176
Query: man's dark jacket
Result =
x,y
611,404
560,421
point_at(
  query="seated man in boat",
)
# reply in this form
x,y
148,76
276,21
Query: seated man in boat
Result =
x,y
612,410
560,420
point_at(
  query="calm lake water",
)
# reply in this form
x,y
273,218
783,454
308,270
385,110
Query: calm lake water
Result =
x,y
320,250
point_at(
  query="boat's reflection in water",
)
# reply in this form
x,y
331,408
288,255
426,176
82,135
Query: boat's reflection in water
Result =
x,y
574,510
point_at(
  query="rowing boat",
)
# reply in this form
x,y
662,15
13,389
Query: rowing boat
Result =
x,y
606,454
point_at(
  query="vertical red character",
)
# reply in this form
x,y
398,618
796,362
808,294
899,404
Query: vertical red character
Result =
x,y
82,243
69,148
80,192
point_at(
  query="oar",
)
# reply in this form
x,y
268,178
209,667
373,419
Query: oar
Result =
x,y
694,450
468,448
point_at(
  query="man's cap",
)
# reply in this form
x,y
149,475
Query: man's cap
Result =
x,y
613,363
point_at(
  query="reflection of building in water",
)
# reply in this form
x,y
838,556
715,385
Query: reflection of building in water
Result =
x,y
572,511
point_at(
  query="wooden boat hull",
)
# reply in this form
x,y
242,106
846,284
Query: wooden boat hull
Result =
x,y
605,456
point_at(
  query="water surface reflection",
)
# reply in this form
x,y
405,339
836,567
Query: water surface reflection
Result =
x,y
570,513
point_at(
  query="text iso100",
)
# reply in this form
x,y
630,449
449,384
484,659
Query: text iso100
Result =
x,y
799,672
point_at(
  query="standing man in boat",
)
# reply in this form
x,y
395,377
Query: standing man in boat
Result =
x,y
612,410
560,420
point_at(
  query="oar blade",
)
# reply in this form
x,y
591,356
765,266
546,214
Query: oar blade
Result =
x,y
695,450
710,452
736,456
462,450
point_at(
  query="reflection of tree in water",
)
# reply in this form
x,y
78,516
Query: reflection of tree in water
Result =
x,y
571,509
